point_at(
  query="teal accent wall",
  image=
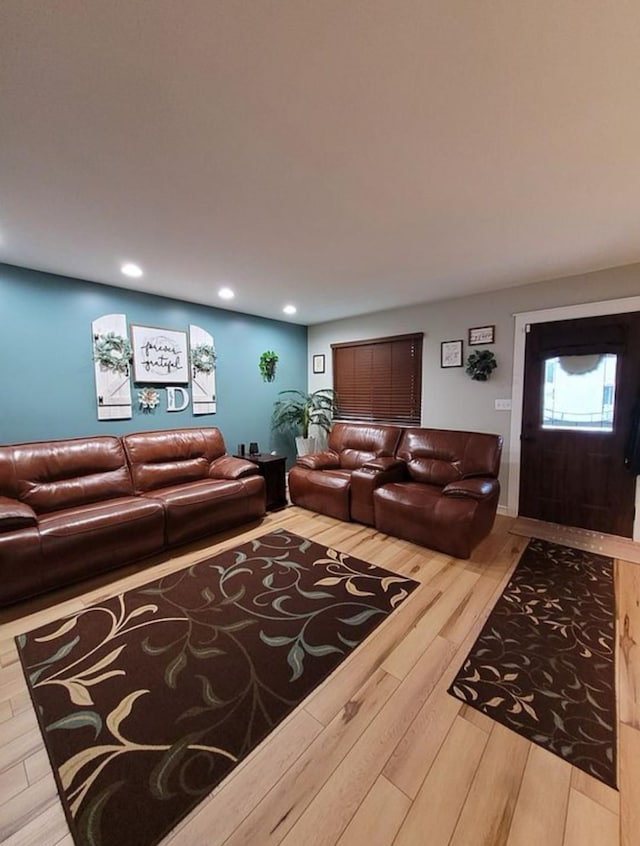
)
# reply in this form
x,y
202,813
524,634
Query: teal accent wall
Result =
x,y
47,372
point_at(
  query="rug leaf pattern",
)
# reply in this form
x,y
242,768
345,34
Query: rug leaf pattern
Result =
x,y
147,700
543,664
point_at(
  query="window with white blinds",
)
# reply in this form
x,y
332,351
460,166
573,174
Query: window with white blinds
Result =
x,y
379,380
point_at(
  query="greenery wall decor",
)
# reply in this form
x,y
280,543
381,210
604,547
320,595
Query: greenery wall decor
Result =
x,y
267,365
112,351
481,364
60,312
203,358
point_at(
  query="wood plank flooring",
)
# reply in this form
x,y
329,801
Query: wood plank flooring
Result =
x,y
380,754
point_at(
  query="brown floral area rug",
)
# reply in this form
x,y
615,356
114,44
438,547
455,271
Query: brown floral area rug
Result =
x,y
544,665
149,699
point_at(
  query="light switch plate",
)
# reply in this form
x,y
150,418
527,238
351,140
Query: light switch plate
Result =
x,y
503,405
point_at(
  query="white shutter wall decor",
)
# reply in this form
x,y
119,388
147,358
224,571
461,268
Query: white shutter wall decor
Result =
x,y
203,385
113,388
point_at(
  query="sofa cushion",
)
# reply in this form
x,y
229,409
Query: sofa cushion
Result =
x,y
357,443
149,476
56,475
77,542
200,508
440,457
324,491
421,514
173,457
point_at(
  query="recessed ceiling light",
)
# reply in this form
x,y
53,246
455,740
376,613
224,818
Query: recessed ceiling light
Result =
x,y
289,309
132,270
226,293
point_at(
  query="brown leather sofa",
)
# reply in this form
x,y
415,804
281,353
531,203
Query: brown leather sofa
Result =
x,y
70,508
434,487
324,481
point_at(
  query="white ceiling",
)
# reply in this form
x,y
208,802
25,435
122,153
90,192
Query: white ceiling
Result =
x,y
344,155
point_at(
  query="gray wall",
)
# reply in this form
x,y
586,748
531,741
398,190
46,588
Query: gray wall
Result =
x,y
450,399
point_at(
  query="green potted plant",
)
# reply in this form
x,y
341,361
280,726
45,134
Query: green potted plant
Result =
x,y
267,365
298,410
481,364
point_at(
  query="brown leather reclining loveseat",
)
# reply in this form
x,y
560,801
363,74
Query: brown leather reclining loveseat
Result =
x,y
435,487
71,508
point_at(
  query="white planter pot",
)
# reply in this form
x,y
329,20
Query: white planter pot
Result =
x,y
304,446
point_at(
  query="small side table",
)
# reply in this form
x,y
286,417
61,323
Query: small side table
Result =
x,y
272,468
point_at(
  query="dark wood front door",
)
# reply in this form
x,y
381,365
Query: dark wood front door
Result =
x,y
582,378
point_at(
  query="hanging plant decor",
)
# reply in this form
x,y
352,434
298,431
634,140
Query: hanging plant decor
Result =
x,y
481,364
267,365
203,358
113,352
148,399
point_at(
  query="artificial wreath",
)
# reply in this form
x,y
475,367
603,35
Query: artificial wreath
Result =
x,y
481,364
148,399
203,358
113,352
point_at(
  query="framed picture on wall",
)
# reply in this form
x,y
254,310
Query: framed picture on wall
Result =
x,y
318,364
482,335
451,354
159,355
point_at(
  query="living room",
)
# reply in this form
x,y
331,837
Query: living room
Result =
x,y
384,171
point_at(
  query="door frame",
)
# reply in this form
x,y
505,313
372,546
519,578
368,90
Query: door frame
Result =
x,y
547,315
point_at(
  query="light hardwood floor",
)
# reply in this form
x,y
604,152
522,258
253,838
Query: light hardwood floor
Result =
x,y
380,754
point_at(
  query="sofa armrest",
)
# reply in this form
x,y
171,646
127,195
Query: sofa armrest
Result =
x,y
365,480
15,515
228,467
383,463
477,488
326,460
